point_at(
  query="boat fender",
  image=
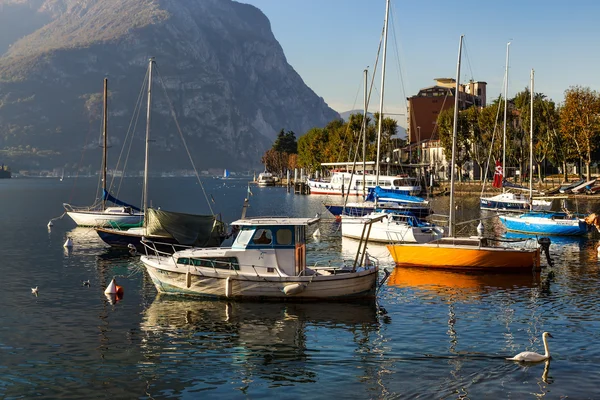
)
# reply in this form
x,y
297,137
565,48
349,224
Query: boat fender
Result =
x,y
228,287
188,279
294,288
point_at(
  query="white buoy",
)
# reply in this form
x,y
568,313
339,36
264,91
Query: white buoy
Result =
x,y
68,243
34,290
480,229
294,288
113,288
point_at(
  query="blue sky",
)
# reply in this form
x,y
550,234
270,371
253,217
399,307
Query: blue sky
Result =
x,y
330,42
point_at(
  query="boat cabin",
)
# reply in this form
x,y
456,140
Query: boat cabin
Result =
x,y
286,237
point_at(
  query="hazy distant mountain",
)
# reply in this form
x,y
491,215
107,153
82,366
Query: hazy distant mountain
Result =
x,y
346,115
225,73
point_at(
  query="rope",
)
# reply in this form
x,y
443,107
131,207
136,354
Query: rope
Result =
x,y
183,140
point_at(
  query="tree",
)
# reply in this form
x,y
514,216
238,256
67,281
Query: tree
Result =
x,y
445,123
580,122
286,142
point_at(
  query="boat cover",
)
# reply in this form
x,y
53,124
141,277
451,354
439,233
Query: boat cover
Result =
x,y
109,197
391,195
187,229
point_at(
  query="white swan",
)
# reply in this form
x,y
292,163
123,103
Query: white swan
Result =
x,y
530,356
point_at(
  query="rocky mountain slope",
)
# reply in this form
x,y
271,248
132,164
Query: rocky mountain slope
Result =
x,y
218,64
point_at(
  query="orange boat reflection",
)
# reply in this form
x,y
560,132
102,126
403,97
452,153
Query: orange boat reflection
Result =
x,y
449,282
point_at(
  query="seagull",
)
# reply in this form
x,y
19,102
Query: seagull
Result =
x,y
530,356
85,283
34,290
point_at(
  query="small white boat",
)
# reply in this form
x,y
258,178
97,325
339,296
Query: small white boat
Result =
x,y
393,227
265,179
582,188
267,260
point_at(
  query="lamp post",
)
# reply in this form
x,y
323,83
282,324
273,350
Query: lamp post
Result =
x,y
419,144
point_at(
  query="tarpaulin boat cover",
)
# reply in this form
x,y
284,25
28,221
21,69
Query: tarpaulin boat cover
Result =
x,y
187,229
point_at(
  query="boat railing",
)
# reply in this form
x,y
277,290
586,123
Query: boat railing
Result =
x,y
70,208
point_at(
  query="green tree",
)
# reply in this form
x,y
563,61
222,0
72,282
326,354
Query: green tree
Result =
x,y
445,123
286,142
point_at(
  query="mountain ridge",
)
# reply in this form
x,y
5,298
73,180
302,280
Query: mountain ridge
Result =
x,y
227,76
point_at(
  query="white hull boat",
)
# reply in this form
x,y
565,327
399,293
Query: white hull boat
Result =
x,y
266,261
110,217
392,228
343,183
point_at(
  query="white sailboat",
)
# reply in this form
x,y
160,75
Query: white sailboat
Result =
x,y
388,225
98,215
160,225
509,201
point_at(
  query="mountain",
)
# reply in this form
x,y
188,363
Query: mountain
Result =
x,y
220,69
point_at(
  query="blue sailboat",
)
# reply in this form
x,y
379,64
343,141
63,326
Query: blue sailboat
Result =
x,y
546,223
539,222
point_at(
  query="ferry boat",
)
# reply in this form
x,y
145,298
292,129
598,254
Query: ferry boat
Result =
x,y
342,183
265,179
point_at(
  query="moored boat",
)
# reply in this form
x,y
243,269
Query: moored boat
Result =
x,y
267,260
466,253
546,223
121,215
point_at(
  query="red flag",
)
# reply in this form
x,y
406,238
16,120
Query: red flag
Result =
x,y
498,175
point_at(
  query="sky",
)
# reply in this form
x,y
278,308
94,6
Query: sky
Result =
x,y
330,42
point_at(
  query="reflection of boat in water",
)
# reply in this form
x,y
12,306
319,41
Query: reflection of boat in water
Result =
x,y
378,251
173,312
557,242
452,283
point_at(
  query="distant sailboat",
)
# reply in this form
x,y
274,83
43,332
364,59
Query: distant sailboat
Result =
x,y
62,176
225,174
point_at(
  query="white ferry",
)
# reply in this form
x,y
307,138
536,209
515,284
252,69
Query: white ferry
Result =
x,y
342,183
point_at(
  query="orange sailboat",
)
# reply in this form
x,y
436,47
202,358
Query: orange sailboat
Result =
x,y
466,253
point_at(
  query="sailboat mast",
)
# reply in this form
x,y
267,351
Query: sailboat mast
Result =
x,y
104,143
364,138
531,147
147,137
505,109
385,29
454,128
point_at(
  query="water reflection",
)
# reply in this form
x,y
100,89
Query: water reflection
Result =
x,y
272,343
458,285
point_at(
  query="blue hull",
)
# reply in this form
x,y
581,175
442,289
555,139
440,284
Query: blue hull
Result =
x,y
544,226
419,212
124,239
502,205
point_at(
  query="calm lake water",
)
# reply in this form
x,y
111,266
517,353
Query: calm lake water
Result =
x,y
429,335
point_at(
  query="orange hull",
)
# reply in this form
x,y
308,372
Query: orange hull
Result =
x,y
460,257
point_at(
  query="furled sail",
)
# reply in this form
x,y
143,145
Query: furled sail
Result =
x,y
109,197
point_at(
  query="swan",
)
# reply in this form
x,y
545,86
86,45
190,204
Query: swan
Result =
x,y
530,356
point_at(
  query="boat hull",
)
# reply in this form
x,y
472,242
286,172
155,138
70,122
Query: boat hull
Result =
x,y
459,257
203,282
101,219
386,231
544,226
511,203
420,212
125,239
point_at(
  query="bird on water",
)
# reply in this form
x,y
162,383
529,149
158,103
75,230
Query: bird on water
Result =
x,y
530,356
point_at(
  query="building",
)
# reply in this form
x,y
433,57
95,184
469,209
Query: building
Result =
x,y
426,106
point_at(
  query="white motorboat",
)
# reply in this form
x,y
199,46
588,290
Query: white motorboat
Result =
x,y
395,226
265,179
267,260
